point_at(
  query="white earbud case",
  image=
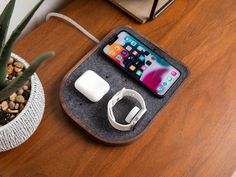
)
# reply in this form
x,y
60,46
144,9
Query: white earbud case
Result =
x,y
92,86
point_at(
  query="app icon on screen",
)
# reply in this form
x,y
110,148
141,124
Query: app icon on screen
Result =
x,y
139,73
142,58
140,48
164,83
127,38
124,52
112,52
132,67
173,73
153,58
144,67
169,78
129,48
148,63
118,57
135,52
160,89
133,43
117,48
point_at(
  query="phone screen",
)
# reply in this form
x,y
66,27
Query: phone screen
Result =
x,y
150,69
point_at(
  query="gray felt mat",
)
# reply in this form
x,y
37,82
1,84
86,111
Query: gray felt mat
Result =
x,y
93,116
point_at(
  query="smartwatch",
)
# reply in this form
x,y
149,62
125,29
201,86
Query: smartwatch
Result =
x,y
134,115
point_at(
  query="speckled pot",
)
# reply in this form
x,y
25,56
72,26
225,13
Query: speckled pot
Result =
x,y
24,125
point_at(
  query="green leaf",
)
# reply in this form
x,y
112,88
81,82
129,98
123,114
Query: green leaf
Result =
x,y
4,25
6,52
5,21
16,84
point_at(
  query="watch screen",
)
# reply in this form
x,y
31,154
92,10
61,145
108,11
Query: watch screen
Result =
x,y
142,63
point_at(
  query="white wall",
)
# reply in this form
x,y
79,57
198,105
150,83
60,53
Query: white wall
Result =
x,y
22,7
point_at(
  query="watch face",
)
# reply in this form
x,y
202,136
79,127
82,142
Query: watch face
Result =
x,y
142,63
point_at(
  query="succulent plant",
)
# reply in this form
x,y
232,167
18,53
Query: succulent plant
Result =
x,y
9,87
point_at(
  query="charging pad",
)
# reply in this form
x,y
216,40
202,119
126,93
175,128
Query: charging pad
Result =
x,y
92,117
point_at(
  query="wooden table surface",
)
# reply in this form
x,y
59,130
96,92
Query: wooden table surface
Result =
x,y
195,134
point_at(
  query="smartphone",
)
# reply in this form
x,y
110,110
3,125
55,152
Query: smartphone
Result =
x,y
147,67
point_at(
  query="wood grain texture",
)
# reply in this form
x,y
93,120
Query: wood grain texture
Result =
x,y
195,135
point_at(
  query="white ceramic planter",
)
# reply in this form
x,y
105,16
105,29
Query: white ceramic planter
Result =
x,y
23,126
